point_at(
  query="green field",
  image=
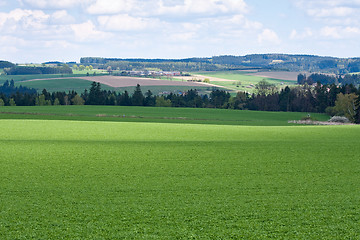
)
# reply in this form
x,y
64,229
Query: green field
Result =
x,y
123,180
244,79
54,85
155,114
19,78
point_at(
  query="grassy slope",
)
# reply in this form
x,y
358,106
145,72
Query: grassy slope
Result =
x,y
153,114
55,84
87,180
66,85
19,78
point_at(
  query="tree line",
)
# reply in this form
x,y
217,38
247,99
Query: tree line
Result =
x,y
328,79
331,99
28,70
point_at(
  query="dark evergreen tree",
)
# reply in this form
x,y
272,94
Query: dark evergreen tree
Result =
x,y
218,98
124,99
137,98
357,115
149,99
284,99
96,97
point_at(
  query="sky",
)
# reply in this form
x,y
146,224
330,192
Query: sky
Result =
x,y
36,31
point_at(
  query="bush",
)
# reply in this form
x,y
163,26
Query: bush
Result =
x,y
339,119
308,118
331,111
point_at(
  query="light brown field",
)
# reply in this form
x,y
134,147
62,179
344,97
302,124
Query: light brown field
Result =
x,y
202,78
282,75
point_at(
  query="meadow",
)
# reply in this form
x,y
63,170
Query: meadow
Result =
x,y
62,84
139,180
21,78
155,114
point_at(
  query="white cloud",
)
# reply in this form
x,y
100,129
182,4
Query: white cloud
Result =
x,y
295,35
331,32
124,22
60,44
62,17
23,19
330,9
53,4
87,32
327,3
182,37
7,40
188,26
205,7
162,7
113,7
336,19
331,12
340,32
268,36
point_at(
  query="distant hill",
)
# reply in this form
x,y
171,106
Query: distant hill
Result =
x,y
287,62
6,64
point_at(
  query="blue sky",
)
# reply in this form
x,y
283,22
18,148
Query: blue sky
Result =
x,y
65,30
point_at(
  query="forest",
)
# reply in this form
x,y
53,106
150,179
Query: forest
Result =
x,y
329,79
29,70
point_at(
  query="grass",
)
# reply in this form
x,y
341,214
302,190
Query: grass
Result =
x,y
155,114
104,180
19,78
245,80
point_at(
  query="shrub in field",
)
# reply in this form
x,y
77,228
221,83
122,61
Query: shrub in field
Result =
x,y
309,118
339,119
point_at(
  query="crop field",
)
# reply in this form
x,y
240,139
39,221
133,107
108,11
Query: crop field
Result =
x,y
118,81
124,180
280,75
155,114
244,81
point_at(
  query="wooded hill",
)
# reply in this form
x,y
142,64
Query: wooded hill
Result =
x,y
309,63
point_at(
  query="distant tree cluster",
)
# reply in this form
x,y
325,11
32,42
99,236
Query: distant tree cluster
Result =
x,y
26,70
328,79
6,64
309,63
8,88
